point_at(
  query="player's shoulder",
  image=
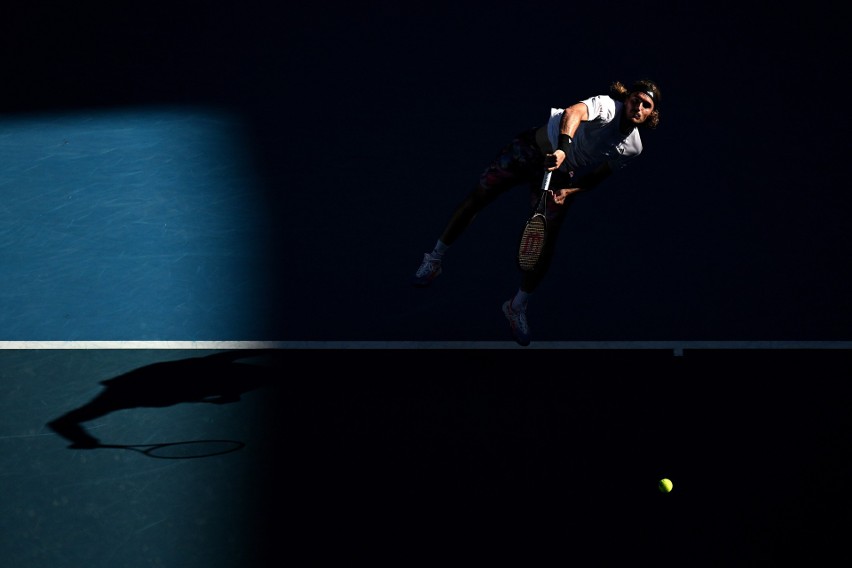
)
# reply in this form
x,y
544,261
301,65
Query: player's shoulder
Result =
x,y
599,100
602,107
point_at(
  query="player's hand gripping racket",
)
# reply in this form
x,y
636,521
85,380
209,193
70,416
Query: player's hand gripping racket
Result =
x,y
535,230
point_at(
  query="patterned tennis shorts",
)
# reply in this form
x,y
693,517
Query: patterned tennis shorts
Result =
x,y
520,162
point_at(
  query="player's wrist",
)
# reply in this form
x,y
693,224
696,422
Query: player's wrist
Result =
x,y
564,143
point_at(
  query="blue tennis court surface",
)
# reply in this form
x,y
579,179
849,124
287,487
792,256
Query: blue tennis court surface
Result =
x,y
142,223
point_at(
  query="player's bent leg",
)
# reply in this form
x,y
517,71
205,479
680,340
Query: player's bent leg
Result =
x,y
465,212
476,200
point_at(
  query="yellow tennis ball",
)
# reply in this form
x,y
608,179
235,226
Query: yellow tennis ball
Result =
x,y
665,485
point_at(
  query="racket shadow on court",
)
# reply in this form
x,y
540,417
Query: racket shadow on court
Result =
x,y
221,378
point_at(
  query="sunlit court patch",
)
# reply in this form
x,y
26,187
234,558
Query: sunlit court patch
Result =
x,y
130,224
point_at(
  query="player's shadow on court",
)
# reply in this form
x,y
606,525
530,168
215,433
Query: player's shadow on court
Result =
x,y
215,379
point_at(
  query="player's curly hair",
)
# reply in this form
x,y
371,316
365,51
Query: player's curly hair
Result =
x,y
619,92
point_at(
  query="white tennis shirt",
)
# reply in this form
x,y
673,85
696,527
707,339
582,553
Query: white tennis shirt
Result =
x,y
599,139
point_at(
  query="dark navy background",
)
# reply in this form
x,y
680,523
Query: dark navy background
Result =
x,y
360,129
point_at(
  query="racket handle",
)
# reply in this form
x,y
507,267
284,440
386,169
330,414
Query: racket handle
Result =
x,y
545,183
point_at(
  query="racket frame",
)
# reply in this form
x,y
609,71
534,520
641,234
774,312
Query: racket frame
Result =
x,y
528,262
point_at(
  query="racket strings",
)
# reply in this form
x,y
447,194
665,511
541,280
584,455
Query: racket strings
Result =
x,y
532,242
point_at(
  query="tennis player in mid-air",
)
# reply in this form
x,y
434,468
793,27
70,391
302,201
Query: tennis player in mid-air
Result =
x,y
582,145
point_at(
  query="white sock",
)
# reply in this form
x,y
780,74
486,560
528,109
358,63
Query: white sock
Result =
x,y
439,250
519,302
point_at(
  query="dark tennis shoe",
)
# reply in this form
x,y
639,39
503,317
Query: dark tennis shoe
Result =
x,y
428,271
518,323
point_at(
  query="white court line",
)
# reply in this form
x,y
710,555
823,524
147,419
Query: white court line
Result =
x,y
676,346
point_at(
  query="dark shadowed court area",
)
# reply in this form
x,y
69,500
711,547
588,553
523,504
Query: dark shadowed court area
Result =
x,y
253,458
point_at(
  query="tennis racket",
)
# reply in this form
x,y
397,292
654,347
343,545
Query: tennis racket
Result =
x,y
180,450
535,231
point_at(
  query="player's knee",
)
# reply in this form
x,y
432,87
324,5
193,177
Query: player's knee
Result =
x,y
477,199
483,195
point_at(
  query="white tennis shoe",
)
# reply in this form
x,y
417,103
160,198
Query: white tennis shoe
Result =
x,y
518,323
429,269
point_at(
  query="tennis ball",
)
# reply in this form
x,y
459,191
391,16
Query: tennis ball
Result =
x,y
665,485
